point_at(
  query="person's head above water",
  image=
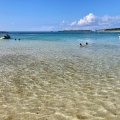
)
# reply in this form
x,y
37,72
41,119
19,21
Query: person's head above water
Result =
x,y
86,43
80,44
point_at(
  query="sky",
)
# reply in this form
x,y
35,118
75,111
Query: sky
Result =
x,y
55,15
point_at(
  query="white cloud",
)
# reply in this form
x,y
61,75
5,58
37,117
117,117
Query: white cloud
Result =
x,y
109,20
91,21
73,23
90,18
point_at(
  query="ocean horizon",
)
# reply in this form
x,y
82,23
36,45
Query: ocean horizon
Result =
x,y
49,76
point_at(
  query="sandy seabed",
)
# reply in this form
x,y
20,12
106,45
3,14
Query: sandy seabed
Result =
x,y
65,89
47,86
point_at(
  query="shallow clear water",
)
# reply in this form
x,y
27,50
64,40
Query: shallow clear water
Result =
x,y
48,76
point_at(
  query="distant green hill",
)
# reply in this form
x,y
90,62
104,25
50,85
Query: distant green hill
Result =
x,y
110,29
113,29
76,31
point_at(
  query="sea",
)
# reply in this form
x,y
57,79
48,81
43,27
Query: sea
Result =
x,y
49,76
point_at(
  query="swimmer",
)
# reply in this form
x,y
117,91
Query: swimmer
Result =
x,y
80,44
86,43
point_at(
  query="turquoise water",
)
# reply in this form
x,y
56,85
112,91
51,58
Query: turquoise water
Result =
x,y
48,76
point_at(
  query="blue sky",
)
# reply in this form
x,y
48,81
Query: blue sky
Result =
x,y
53,15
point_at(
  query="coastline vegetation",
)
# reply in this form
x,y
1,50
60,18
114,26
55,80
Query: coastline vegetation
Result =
x,y
109,30
76,31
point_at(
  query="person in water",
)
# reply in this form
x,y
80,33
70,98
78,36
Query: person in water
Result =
x,y
80,44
